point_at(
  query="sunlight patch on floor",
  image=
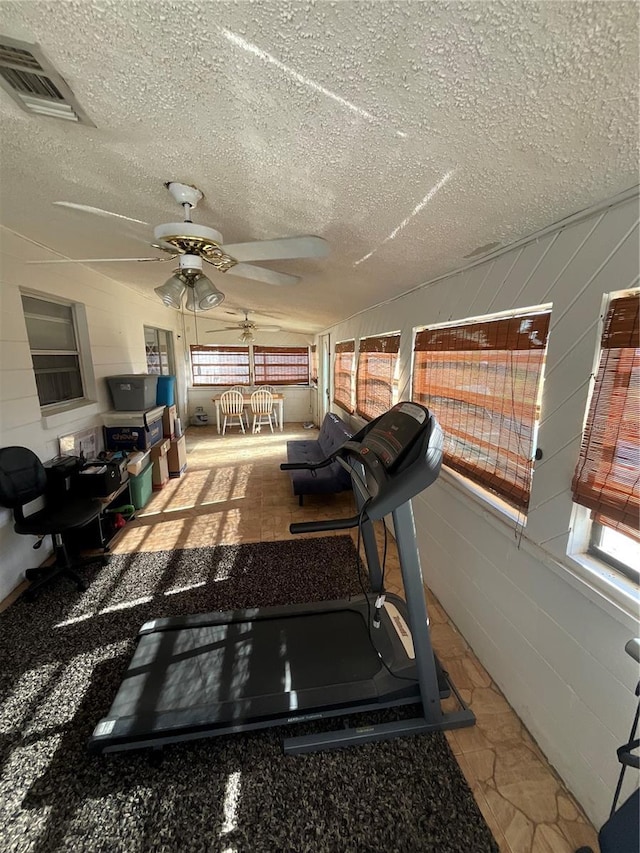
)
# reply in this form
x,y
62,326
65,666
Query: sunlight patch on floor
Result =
x,y
230,807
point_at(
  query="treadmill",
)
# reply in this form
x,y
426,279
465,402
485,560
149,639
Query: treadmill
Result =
x,y
226,672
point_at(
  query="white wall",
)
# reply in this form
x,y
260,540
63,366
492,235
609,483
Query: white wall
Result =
x,y
550,633
297,399
115,318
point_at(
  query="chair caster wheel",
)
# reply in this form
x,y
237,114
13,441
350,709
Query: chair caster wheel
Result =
x,y
33,574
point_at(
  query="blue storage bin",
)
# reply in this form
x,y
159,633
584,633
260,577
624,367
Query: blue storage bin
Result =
x,y
164,391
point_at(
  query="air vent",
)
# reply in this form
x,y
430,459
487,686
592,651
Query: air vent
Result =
x,y
33,83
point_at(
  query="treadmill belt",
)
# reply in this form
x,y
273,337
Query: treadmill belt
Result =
x,y
237,663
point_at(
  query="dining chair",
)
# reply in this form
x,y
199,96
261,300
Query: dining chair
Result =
x,y
272,389
242,389
232,406
262,407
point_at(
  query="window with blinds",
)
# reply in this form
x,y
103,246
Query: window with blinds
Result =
x,y
281,365
55,353
376,382
343,375
607,475
220,365
482,379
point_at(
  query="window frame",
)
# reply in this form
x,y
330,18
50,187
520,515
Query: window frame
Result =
x,y
170,357
82,351
268,380
476,486
385,344
346,346
224,348
584,544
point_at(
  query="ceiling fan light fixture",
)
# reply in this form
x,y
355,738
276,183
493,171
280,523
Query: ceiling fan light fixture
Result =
x,y
207,294
202,294
172,291
246,336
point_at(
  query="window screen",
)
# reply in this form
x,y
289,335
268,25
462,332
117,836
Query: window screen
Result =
x,y
54,350
220,365
606,479
281,365
343,375
376,378
482,379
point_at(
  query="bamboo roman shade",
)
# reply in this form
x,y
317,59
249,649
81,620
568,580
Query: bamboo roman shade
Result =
x,y
343,375
221,365
608,471
482,381
281,365
376,381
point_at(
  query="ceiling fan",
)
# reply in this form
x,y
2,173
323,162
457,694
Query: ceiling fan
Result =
x,y
191,244
247,329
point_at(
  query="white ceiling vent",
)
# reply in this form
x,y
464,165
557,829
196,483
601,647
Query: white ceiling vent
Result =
x,y
28,76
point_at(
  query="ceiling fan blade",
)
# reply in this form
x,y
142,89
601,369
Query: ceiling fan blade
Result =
x,y
223,329
275,250
98,260
262,274
85,208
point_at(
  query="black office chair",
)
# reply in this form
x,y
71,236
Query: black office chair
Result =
x,y
23,479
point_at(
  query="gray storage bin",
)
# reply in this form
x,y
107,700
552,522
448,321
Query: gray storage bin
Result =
x,y
133,392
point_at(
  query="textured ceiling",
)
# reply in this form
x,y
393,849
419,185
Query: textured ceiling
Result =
x,y
406,134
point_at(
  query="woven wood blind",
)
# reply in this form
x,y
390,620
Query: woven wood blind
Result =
x,y
281,365
343,375
376,382
482,381
314,364
220,365
608,471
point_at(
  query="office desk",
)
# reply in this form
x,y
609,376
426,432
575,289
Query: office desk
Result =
x,y
278,400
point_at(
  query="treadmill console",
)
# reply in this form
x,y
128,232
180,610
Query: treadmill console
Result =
x,y
393,434
400,454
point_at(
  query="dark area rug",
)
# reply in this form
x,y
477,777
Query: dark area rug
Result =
x,y
62,658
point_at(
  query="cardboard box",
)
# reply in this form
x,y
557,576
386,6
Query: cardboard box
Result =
x,y
160,473
160,449
169,421
160,470
132,430
137,462
177,456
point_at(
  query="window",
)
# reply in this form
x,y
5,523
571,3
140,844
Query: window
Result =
x,y
343,375
606,479
314,365
281,365
158,346
482,379
53,340
376,384
221,365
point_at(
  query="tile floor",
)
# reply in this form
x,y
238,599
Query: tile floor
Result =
x,y
233,491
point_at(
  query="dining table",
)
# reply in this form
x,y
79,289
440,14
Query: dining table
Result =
x,y
278,400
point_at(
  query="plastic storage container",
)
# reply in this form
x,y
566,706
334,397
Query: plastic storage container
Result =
x,y
133,392
141,487
165,391
132,430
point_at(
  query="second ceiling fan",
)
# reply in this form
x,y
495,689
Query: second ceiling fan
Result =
x,y
247,329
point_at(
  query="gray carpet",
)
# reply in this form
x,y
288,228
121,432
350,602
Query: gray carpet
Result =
x,y
61,662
